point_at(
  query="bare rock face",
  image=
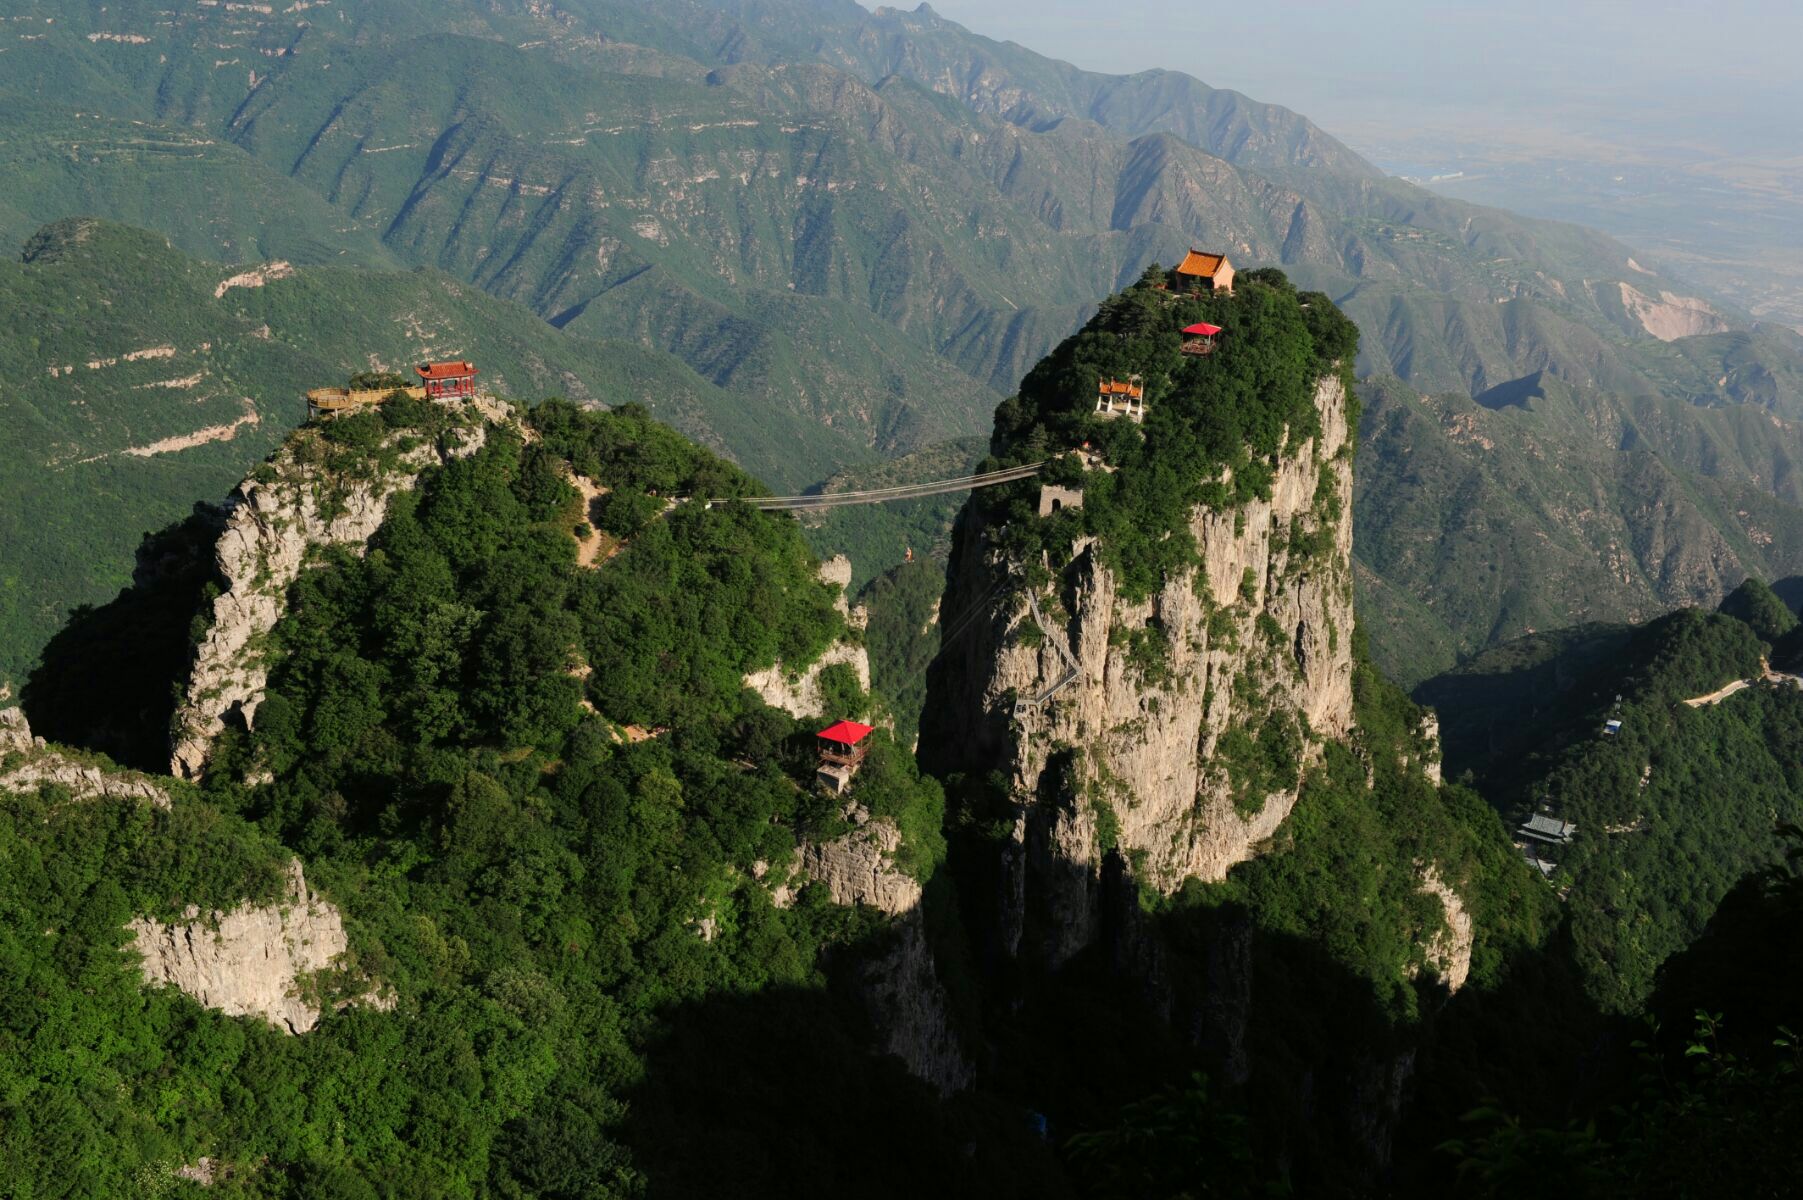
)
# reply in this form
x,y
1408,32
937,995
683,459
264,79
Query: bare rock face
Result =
x,y
1129,749
1429,733
34,764
275,519
859,868
837,572
1670,316
250,961
1449,950
908,1004
899,986
15,732
801,696
203,1171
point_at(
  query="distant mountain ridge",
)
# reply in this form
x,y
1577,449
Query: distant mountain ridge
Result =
x,y
944,222
858,229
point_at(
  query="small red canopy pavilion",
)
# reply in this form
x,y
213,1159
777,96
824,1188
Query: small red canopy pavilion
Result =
x,y
448,380
846,733
842,752
1199,338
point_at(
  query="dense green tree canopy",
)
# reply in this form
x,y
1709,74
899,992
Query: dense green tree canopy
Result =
x,y
1215,425
442,743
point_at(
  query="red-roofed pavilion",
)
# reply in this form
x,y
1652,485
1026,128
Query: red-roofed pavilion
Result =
x,y
842,751
448,380
1199,338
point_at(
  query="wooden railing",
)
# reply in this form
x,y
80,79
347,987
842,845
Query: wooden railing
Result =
x,y
843,758
334,401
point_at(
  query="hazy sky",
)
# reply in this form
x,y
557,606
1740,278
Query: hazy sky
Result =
x,y
1728,72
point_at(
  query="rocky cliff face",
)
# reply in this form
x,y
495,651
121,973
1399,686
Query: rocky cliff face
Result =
x,y
275,519
899,985
1142,749
252,961
1449,951
27,763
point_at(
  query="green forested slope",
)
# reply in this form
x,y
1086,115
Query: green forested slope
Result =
x,y
1015,185
1672,810
573,925
1481,522
209,198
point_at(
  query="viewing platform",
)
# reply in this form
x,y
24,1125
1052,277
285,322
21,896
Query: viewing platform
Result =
x,y
336,402
842,752
440,381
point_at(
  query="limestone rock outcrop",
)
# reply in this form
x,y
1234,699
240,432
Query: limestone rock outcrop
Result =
x,y
274,520
252,960
26,763
15,732
859,867
899,985
1449,950
1129,750
799,694
1429,734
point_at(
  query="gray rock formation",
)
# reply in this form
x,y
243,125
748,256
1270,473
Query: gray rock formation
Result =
x,y
26,763
859,868
1449,951
15,733
800,695
203,1171
899,985
908,1004
1429,734
251,961
1127,751
275,518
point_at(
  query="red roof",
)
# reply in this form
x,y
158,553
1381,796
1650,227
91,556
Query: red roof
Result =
x,y
848,733
1203,328
446,370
